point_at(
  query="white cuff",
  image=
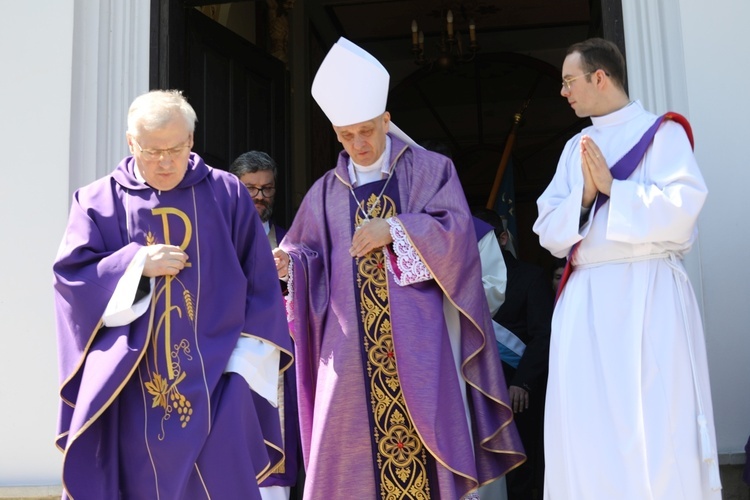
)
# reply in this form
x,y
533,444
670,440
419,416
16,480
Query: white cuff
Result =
x,y
258,363
121,310
412,269
274,492
494,271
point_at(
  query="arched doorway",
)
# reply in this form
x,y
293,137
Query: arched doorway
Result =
x,y
478,110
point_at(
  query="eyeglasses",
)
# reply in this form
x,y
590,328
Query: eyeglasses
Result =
x,y
157,154
567,81
266,191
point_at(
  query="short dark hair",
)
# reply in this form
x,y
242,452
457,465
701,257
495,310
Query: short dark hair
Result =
x,y
251,162
438,146
489,216
557,263
492,218
598,53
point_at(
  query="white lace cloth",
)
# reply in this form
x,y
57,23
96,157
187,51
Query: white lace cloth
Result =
x,y
411,269
290,292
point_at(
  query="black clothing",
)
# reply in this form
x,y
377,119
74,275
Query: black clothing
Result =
x,y
527,312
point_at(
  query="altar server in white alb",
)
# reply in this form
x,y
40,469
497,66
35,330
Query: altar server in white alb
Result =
x,y
628,412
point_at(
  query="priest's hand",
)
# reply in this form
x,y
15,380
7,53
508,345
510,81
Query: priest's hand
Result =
x,y
593,160
164,260
519,398
589,188
281,259
372,234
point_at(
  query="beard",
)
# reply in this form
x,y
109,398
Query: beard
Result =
x,y
265,209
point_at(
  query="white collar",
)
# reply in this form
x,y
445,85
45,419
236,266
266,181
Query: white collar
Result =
x,y
381,163
626,113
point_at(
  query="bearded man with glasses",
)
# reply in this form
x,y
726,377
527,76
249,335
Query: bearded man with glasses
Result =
x,y
258,172
170,323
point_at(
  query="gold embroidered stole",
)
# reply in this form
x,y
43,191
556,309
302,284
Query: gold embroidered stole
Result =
x,y
400,456
163,371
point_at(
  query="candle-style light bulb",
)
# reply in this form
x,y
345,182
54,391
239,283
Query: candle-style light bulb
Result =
x,y
449,18
414,32
472,32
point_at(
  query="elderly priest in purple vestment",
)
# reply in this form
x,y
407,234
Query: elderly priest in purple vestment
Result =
x,y
401,392
169,319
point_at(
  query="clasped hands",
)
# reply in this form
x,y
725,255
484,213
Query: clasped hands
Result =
x,y
596,175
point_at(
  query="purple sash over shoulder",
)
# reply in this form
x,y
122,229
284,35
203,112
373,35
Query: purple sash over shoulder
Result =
x,y
621,170
481,228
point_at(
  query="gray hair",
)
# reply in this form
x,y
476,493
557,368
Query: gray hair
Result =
x,y
251,162
155,109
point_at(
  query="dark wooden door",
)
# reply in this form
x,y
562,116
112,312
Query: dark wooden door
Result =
x,y
239,92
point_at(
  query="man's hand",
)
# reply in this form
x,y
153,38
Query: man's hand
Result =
x,y
589,188
281,258
164,260
593,163
375,233
519,398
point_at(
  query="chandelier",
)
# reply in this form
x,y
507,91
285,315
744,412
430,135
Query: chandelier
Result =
x,y
451,47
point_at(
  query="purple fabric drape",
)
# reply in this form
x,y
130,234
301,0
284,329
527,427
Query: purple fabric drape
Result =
x,y
146,408
481,228
329,366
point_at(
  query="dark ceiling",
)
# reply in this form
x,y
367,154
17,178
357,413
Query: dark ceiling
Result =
x,y
391,19
469,108
384,26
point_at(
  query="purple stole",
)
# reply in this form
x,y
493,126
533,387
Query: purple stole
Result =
x,y
621,170
396,446
481,228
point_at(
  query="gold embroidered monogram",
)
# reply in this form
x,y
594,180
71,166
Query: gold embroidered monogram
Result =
x,y
400,455
164,389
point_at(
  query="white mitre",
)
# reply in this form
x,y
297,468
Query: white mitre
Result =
x,y
351,86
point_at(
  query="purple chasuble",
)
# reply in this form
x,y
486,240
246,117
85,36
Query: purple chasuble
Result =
x,y
147,410
334,422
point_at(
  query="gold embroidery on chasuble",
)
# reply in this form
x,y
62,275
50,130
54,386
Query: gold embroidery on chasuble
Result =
x,y
399,453
171,302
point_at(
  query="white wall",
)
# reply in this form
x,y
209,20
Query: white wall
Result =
x,y
690,56
36,44
70,69
716,41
